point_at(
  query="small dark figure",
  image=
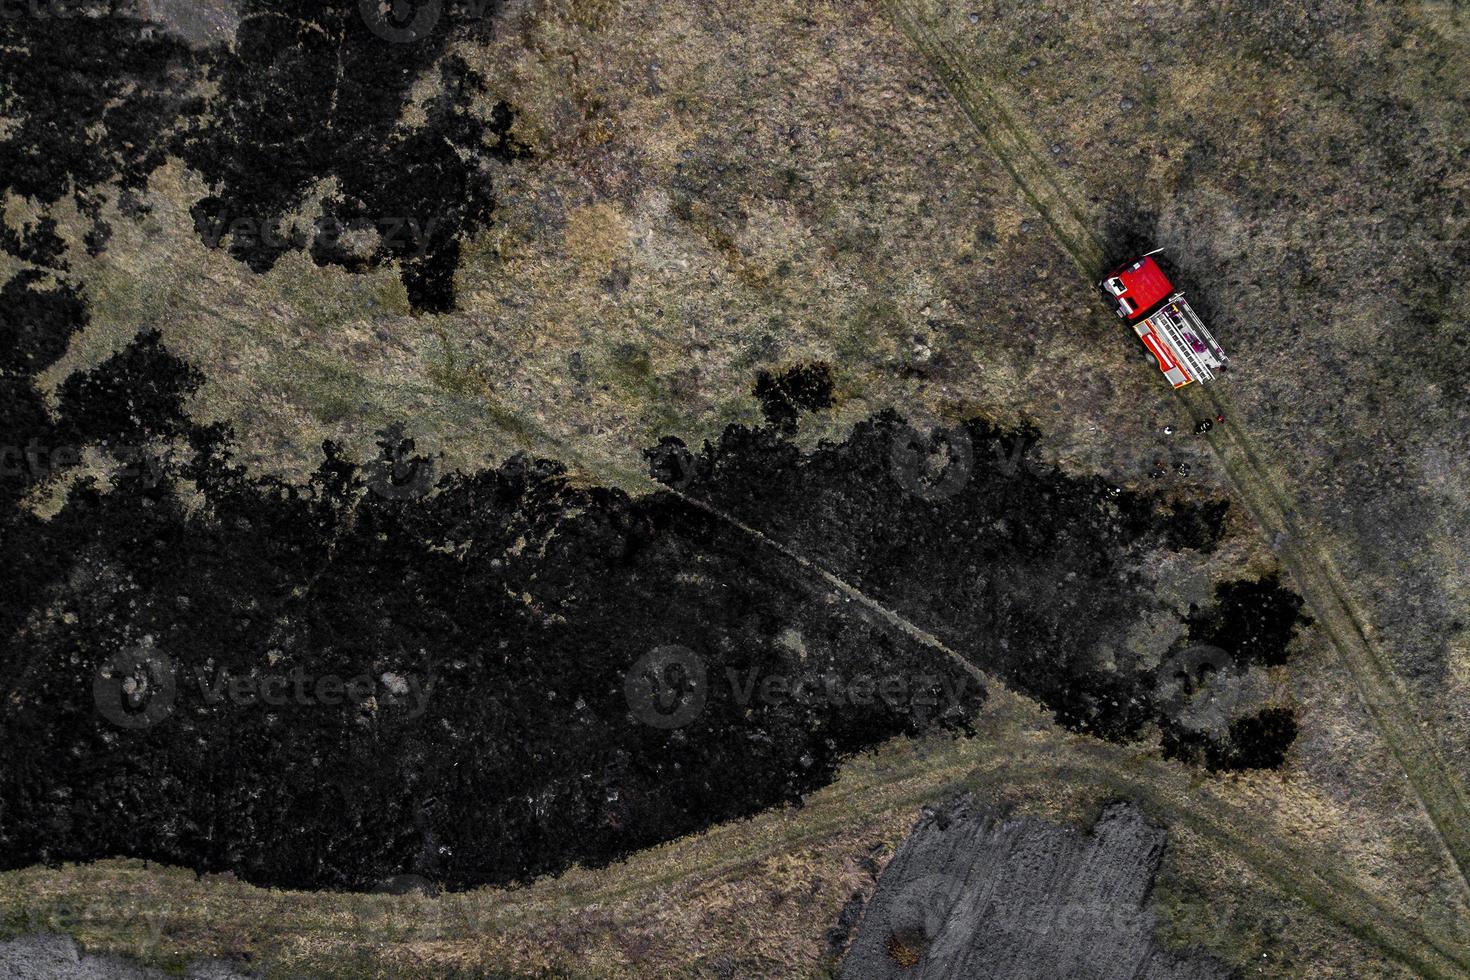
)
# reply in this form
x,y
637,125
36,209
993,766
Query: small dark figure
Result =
x,y
1202,426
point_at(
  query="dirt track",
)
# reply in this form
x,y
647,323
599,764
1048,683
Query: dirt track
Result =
x,y
1254,477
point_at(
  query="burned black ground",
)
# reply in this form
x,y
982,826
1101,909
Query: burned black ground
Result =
x,y
308,93
784,396
528,609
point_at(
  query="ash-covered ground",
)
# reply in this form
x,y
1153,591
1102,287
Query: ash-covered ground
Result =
x,y
382,672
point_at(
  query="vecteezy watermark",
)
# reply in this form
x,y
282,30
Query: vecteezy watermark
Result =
x,y
669,687
398,474
935,465
400,479
937,461
1201,688
38,462
139,687
406,237
923,908
117,914
919,911
308,690
897,691
672,464
401,21
406,21
136,688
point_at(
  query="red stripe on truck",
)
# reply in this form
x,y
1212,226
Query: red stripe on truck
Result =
x,y
1160,352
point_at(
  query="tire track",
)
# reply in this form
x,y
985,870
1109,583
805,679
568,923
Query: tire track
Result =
x,y
1309,878
1306,877
1316,576
1302,877
1007,139
1322,584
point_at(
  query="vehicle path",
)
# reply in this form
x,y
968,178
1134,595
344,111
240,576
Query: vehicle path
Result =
x,y
1309,877
1316,575
1300,871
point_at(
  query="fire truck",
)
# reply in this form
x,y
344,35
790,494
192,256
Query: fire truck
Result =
x,y
1161,316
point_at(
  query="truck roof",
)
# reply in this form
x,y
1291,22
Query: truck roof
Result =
x,y
1144,284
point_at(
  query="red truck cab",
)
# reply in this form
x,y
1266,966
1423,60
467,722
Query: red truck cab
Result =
x,y
1138,287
